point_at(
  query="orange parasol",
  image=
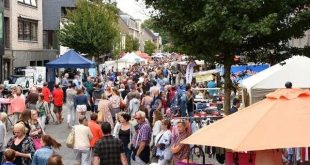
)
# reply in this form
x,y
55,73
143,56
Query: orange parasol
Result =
x,y
282,120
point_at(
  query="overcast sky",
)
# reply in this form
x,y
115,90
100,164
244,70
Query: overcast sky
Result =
x,y
136,9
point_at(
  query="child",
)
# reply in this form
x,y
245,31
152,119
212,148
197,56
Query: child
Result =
x,y
9,156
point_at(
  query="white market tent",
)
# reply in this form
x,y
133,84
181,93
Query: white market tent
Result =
x,y
132,58
295,70
158,55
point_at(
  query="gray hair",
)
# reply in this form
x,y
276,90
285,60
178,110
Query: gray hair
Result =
x,y
141,113
82,118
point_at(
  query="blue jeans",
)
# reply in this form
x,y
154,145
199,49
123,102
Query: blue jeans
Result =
x,y
128,154
183,111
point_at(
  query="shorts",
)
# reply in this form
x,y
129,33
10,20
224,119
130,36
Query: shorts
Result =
x,y
81,108
57,109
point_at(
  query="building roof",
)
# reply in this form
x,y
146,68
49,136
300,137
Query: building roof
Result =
x,y
151,33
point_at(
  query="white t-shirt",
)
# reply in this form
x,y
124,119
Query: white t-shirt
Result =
x,y
82,137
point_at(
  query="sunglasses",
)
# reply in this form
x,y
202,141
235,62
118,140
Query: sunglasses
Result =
x,y
138,118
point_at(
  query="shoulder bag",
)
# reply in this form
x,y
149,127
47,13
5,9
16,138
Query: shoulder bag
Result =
x,y
70,139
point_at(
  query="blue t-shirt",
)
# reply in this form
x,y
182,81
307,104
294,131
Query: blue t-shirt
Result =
x,y
211,84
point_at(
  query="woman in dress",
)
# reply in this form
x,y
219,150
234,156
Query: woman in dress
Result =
x,y
115,100
104,108
22,145
41,156
43,110
36,130
125,132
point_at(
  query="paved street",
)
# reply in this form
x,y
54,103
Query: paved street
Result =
x,y
60,133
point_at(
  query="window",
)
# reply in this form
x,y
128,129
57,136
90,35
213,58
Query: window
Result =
x,y
39,63
27,30
7,4
46,61
29,2
32,63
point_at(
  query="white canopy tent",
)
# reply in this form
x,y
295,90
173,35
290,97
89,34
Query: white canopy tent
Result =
x,y
132,58
295,70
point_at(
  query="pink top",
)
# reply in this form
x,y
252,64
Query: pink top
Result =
x,y
4,101
17,105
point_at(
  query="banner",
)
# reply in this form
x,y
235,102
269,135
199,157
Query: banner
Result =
x,y
204,77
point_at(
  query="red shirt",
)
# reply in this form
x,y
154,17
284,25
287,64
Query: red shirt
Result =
x,y
46,93
96,131
58,97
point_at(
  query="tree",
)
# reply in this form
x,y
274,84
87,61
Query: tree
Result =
x,y
131,44
149,47
217,30
92,28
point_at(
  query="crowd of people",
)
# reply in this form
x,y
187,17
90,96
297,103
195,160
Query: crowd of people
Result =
x,y
118,117
130,118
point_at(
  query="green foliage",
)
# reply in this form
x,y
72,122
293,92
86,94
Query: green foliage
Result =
x,y
131,44
208,28
92,28
216,30
149,47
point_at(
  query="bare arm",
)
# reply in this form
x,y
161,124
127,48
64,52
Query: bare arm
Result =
x,y
28,155
141,148
124,159
96,160
176,149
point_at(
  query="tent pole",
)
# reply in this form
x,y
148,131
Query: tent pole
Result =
x,y
294,156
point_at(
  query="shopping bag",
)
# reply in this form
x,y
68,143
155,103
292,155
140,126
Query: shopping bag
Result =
x,y
70,139
100,118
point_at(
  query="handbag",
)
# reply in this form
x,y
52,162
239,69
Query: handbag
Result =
x,y
100,117
70,139
122,105
154,147
47,120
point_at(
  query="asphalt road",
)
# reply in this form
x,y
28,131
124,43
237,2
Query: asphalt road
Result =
x,y
60,133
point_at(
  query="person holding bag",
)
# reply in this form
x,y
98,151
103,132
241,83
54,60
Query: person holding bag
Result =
x,y
82,137
36,130
43,110
163,143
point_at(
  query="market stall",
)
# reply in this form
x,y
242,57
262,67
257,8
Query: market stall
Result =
x,y
262,127
132,58
295,70
70,59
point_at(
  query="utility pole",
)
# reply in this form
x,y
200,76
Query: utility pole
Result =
x,y
1,38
